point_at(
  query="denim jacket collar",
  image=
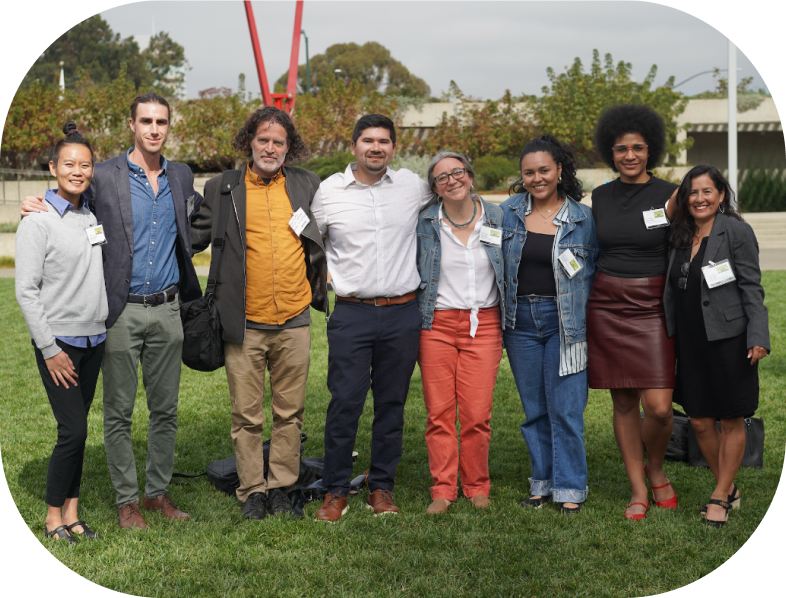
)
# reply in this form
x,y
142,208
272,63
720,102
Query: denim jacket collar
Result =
x,y
569,212
432,213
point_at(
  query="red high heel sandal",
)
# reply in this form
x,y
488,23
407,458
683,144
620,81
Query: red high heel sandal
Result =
x,y
670,503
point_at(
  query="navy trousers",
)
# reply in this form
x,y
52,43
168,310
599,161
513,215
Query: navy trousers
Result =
x,y
375,347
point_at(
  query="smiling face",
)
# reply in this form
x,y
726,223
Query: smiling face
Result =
x,y
269,148
74,170
632,165
374,150
150,127
453,189
540,174
704,199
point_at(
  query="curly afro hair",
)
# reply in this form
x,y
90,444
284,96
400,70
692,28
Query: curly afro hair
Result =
x,y
619,120
297,148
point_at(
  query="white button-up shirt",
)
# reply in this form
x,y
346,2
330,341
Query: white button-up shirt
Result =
x,y
466,277
369,231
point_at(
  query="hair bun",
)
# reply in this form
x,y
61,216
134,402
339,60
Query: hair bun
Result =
x,y
70,128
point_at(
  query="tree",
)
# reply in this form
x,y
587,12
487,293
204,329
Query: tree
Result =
x,y
570,108
497,128
371,65
33,125
747,99
93,48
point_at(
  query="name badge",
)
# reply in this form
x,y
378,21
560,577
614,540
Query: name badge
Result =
x,y
298,221
190,206
569,263
718,274
491,236
95,234
655,218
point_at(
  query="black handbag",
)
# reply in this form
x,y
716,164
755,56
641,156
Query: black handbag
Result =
x,y
754,445
203,346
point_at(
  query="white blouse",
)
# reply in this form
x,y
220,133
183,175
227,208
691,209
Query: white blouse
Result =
x,y
466,276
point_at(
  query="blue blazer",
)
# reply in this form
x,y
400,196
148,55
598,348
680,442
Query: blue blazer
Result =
x,y
109,198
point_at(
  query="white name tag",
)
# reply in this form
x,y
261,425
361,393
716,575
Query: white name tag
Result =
x,y
569,263
298,221
655,218
95,234
718,274
491,236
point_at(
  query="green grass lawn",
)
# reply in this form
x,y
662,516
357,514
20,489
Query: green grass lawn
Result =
x,y
503,551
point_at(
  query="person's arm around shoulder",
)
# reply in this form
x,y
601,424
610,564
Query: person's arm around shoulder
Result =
x,y
29,275
745,249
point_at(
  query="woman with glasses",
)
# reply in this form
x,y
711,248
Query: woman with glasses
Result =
x,y
715,305
60,290
550,248
460,298
629,350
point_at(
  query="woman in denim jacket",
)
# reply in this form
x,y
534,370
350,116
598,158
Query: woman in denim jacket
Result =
x,y
461,300
549,249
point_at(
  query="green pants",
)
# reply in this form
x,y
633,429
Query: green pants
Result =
x,y
154,335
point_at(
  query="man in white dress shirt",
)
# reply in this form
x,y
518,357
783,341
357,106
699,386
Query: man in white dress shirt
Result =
x,y
368,216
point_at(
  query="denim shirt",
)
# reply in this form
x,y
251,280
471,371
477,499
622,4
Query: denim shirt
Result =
x,y
575,231
429,253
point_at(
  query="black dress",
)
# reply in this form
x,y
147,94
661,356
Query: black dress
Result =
x,y
714,378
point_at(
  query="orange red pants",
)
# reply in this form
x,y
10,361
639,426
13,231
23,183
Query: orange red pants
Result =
x,y
459,373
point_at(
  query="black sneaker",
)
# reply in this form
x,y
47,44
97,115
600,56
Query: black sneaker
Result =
x,y
255,507
278,502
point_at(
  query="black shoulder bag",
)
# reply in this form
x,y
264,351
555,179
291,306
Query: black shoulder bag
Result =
x,y
203,347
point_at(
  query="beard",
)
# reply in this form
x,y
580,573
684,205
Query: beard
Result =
x,y
375,166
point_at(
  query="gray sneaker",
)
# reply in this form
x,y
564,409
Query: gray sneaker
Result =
x,y
255,507
278,502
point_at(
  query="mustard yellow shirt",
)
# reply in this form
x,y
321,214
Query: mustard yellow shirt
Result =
x,y
276,285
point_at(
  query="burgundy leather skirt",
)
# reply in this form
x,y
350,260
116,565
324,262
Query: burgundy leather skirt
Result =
x,y
627,345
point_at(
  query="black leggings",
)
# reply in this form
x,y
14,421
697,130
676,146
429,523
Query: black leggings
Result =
x,y
70,407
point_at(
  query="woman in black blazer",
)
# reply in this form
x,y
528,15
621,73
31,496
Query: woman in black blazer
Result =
x,y
714,303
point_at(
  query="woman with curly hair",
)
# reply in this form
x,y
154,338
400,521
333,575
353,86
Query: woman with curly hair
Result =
x,y
629,350
722,329
549,249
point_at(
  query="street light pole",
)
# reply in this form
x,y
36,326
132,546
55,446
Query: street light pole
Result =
x,y
308,74
732,136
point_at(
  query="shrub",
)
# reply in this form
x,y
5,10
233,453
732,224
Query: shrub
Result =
x,y
763,191
328,165
492,172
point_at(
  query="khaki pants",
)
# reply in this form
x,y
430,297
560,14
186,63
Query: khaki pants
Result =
x,y
285,353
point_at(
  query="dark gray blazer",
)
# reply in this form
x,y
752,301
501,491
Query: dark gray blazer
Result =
x,y
230,295
738,306
109,198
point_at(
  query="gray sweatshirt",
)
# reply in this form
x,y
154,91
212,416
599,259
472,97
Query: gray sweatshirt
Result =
x,y
59,277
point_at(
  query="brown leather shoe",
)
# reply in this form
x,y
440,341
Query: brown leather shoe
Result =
x,y
480,501
165,505
332,508
381,502
438,505
130,516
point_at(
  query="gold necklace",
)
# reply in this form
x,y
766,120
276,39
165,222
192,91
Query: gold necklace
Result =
x,y
545,218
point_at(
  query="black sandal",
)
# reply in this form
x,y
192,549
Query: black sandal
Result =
x,y
733,500
534,503
61,532
86,531
720,503
570,510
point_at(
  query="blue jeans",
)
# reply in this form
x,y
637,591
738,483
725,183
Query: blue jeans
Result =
x,y
553,404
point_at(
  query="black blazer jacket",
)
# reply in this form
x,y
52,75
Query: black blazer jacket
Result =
x,y
109,198
230,294
735,307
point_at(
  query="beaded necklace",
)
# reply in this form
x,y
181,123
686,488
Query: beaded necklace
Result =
x,y
466,224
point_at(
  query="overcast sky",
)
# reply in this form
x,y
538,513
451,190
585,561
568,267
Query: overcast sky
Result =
x,y
486,47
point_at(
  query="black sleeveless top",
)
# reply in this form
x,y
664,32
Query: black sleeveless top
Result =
x,y
536,271
627,248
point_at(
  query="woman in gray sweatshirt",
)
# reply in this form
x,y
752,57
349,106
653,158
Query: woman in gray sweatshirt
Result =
x,y
60,289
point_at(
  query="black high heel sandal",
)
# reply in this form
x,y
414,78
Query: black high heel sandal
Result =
x,y
720,503
61,532
734,502
86,531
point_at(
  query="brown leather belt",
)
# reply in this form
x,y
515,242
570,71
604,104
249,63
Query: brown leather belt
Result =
x,y
164,296
380,301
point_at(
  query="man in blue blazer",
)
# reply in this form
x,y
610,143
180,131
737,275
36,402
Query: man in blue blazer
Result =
x,y
145,204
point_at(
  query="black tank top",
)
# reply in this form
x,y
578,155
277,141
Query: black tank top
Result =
x,y
536,271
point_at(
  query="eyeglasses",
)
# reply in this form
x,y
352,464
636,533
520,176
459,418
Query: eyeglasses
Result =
x,y
683,282
457,174
638,148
